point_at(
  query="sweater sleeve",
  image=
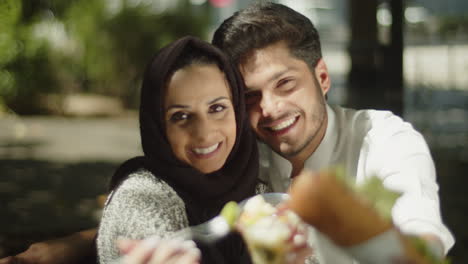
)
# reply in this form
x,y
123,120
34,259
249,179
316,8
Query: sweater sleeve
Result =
x,y
140,207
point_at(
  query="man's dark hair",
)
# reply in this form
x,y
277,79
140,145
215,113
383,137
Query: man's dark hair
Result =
x,y
263,24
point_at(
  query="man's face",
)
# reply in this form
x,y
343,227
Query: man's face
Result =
x,y
285,100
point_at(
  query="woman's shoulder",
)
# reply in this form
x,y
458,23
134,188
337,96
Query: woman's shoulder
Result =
x,y
142,200
142,179
144,185
140,206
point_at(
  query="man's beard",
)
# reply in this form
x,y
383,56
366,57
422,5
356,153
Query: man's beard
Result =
x,y
318,119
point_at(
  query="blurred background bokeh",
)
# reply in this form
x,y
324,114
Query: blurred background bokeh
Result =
x,y
70,72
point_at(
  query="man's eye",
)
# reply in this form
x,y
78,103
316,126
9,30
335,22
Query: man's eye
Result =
x,y
179,116
216,108
286,84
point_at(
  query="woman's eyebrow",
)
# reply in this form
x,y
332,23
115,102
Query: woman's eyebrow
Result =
x,y
217,99
176,106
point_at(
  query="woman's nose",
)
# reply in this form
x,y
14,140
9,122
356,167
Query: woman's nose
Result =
x,y
202,128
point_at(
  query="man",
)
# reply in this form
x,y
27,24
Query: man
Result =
x,y
278,52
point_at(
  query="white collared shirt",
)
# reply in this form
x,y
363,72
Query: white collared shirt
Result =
x,y
371,143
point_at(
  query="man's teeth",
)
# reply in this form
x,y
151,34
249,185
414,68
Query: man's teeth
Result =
x,y
206,150
283,124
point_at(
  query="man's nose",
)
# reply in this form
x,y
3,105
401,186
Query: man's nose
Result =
x,y
268,104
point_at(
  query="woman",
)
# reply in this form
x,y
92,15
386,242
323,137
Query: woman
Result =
x,y
199,152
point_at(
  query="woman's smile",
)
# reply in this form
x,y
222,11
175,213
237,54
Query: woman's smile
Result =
x,y
206,152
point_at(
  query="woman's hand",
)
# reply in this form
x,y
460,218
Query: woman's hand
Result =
x,y
154,250
300,248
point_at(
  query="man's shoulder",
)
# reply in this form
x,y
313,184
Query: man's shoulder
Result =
x,y
363,115
376,130
372,122
385,124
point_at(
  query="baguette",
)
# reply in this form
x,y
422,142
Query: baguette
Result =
x,y
336,209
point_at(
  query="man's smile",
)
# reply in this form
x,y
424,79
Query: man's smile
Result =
x,y
283,126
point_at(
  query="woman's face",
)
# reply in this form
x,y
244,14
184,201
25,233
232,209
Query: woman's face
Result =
x,y
199,116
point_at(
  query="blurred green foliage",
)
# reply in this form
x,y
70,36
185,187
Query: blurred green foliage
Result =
x,y
91,46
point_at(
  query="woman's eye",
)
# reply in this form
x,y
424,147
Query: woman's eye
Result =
x,y
179,116
216,108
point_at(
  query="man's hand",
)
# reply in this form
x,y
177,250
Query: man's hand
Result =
x,y
40,253
66,250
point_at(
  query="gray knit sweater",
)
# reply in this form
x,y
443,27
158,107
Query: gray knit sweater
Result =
x,y
140,207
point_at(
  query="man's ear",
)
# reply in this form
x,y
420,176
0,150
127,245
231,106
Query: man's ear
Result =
x,y
322,77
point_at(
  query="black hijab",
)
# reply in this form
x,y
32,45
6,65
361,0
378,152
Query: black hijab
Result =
x,y
203,194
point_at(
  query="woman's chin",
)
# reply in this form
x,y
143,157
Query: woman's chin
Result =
x,y
208,169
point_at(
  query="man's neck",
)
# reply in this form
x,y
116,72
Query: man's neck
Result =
x,y
299,160
296,170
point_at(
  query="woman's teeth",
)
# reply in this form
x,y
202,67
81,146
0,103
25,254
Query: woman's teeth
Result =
x,y
283,124
207,150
